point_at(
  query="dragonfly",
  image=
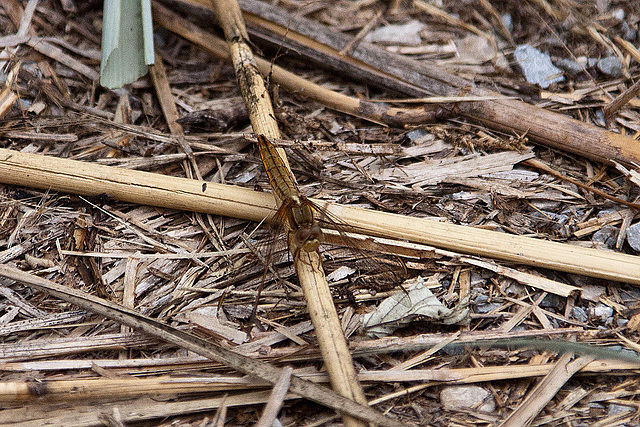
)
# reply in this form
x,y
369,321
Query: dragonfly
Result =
x,y
296,208
299,214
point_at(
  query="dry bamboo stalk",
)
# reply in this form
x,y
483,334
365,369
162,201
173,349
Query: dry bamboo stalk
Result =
x,y
290,354
197,345
64,346
98,388
52,173
93,413
105,388
308,265
489,373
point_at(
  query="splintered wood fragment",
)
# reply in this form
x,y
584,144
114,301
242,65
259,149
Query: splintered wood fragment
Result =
x,y
629,47
57,347
161,84
620,101
448,18
7,95
276,399
71,176
46,321
7,99
546,390
488,373
58,55
40,136
432,172
308,264
197,345
126,387
538,282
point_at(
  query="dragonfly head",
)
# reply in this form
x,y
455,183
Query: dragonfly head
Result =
x,y
308,238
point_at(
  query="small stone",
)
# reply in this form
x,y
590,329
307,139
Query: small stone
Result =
x,y
606,235
467,397
633,236
507,21
613,409
399,34
416,134
477,279
516,288
601,312
611,66
618,14
579,314
628,33
552,301
592,292
591,62
599,118
569,66
486,308
537,66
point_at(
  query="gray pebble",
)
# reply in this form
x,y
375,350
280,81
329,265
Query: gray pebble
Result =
x,y
633,236
606,235
611,66
569,66
591,292
537,66
416,134
601,311
485,308
507,21
467,397
579,314
401,34
613,409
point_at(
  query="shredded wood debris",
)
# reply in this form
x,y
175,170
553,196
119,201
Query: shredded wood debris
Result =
x,y
419,109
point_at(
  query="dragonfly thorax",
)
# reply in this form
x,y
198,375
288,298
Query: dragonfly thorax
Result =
x,y
308,234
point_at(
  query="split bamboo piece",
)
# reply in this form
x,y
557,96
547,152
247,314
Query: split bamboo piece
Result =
x,y
71,176
127,387
308,265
